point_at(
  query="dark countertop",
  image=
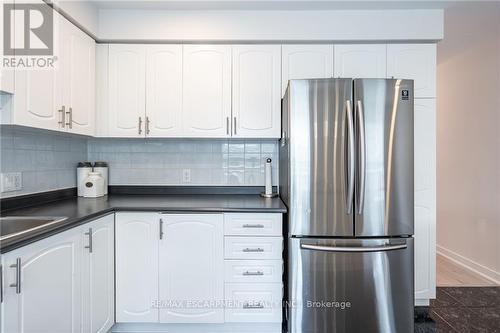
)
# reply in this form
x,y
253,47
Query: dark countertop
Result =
x,y
82,210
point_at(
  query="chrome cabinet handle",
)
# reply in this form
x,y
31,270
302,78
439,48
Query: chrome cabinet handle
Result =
x,y
249,305
350,158
70,118
147,125
227,125
161,228
89,233
352,249
62,122
258,249
17,285
256,273
362,158
140,125
234,130
259,226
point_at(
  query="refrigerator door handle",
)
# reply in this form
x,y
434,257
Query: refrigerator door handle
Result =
x,y
362,157
353,249
350,158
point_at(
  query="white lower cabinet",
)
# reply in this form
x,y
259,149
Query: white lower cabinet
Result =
x,y
191,285
54,285
137,240
253,302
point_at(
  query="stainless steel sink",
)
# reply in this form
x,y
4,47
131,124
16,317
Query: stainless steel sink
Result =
x,y
11,226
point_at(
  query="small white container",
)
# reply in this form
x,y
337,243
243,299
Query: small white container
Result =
x,y
82,172
102,167
93,185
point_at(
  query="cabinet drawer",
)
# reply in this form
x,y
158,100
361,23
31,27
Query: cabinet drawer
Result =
x,y
253,247
262,224
258,302
253,270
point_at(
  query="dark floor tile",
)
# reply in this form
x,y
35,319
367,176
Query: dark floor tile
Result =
x,y
426,327
443,299
474,296
441,324
485,319
457,317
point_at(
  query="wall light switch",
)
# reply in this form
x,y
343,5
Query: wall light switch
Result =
x,y
12,181
186,175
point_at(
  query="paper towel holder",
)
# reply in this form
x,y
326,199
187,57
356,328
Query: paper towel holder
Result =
x,y
268,193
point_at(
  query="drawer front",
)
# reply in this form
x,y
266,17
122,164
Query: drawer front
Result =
x,y
253,271
258,302
253,247
261,224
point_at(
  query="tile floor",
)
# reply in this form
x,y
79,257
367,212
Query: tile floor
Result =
x,y
463,310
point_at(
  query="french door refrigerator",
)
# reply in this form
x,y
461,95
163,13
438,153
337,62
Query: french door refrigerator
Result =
x,y
346,175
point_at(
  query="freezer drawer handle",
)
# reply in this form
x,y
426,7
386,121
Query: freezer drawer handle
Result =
x,y
253,226
352,249
249,305
253,250
257,273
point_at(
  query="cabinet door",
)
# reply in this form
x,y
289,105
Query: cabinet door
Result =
x,y
127,88
425,199
137,236
50,290
305,62
206,90
414,61
164,90
256,91
98,276
191,271
79,97
360,61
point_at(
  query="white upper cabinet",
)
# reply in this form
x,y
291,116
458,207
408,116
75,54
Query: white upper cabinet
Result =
x,y
126,99
192,271
360,60
137,236
256,91
206,90
163,90
305,62
414,61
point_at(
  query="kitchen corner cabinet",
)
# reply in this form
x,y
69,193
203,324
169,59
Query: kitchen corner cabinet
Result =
x,y
61,287
206,92
61,98
256,88
191,271
305,62
360,60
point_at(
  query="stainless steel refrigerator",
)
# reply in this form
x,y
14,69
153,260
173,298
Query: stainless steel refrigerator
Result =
x,y
346,175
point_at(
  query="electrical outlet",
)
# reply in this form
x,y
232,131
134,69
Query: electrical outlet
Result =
x,y
12,181
186,175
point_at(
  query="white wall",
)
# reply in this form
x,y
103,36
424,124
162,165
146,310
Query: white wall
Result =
x,y
83,12
468,135
338,25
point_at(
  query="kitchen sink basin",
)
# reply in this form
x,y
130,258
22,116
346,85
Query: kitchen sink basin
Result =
x,y
12,226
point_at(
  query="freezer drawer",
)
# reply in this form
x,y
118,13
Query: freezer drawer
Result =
x,y
350,285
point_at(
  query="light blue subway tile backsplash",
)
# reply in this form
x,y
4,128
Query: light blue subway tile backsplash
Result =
x,y
48,160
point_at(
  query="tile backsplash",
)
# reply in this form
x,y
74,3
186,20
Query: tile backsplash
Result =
x,y
46,160
202,162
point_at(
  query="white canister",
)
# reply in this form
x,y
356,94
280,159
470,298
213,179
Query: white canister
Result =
x,y
82,172
102,167
93,185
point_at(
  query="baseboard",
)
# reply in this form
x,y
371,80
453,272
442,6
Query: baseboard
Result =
x,y
469,264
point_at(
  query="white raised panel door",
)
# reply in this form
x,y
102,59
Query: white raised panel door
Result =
x,y
50,295
137,236
192,267
206,90
256,91
360,61
305,62
425,199
80,96
416,62
164,90
98,277
127,89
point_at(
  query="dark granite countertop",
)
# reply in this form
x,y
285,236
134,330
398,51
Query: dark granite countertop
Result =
x,y
82,210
